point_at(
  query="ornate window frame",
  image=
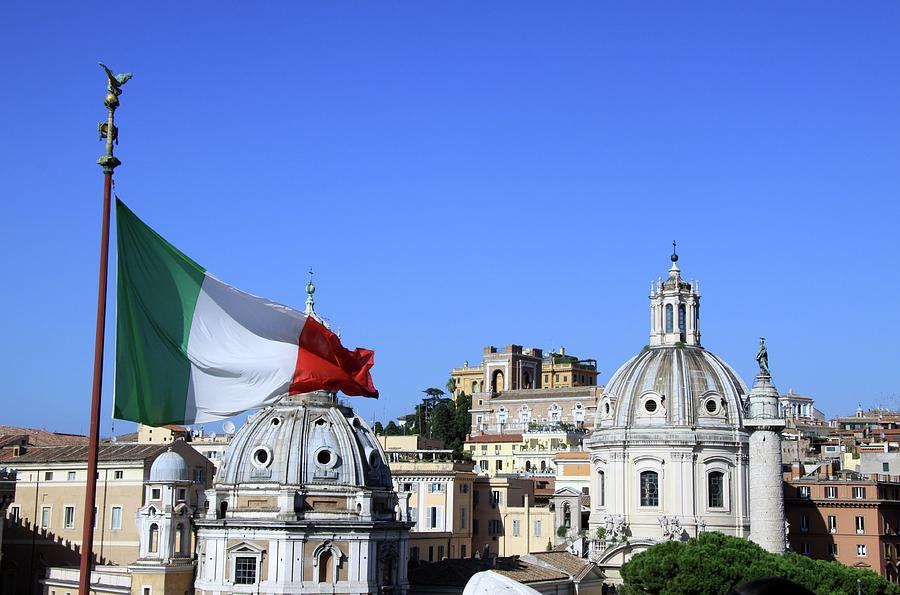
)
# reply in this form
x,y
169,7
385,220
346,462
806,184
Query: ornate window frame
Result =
x,y
244,549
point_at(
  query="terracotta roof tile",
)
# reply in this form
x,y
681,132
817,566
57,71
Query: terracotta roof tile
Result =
x,y
586,456
108,452
38,437
563,561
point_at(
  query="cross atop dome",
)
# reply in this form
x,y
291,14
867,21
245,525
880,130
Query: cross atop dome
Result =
x,y
674,309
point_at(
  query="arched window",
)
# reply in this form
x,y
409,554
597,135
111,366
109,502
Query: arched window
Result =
x,y
682,319
649,488
543,465
325,564
602,485
527,465
497,381
525,414
715,488
475,386
526,380
669,321
153,544
223,508
567,515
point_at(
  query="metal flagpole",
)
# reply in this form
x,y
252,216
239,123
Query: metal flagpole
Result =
x,y
109,163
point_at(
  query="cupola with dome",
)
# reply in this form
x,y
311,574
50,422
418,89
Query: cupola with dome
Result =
x,y
303,503
669,449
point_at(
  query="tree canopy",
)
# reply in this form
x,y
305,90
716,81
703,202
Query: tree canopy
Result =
x,y
716,563
378,428
392,429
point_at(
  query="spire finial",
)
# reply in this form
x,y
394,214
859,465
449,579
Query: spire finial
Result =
x,y
674,252
310,290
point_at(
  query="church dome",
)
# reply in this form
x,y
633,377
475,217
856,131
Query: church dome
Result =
x,y
680,386
303,440
170,466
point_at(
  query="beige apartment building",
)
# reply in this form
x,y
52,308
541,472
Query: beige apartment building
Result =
x,y
531,452
163,434
506,519
44,521
440,502
849,517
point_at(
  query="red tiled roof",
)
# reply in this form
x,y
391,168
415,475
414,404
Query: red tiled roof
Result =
x,y
494,438
108,452
42,437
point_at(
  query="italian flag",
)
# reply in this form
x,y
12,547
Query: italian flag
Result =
x,y
192,349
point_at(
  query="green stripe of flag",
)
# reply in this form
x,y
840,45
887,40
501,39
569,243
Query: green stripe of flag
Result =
x,y
157,293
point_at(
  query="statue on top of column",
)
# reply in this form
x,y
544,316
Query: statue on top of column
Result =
x,y
762,357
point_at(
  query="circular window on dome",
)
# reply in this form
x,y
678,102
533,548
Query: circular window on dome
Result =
x,y
261,457
276,421
651,406
712,406
325,457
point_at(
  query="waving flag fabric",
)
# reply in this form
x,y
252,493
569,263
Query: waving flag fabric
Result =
x,y
192,349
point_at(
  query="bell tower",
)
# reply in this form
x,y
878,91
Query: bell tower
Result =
x,y
674,309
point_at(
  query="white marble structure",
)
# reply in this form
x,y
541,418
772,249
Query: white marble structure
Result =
x,y
303,503
670,452
765,423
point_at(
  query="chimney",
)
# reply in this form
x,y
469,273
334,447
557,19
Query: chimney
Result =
x,y
562,350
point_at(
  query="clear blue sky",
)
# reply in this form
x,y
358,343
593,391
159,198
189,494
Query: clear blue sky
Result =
x,y
467,173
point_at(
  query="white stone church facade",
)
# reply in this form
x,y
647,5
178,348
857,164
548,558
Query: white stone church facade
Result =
x,y
670,452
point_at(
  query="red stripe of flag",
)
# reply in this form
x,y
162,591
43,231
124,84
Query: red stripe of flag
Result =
x,y
324,364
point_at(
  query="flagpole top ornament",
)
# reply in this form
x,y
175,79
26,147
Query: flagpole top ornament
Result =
x,y
108,130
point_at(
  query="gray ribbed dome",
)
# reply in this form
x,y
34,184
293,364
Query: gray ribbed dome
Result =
x,y
170,466
302,440
673,386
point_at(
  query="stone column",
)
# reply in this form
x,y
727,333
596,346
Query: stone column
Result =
x,y
765,424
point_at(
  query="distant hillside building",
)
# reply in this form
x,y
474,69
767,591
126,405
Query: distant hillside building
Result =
x,y
514,367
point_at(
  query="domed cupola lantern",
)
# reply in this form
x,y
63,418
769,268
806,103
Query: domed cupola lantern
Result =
x,y
674,309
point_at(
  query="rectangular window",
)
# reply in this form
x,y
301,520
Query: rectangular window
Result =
x,y
885,467
407,487
499,465
115,519
859,493
463,488
831,492
860,524
494,527
432,517
156,494
48,475
69,517
861,550
832,549
832,524
199,476
148,590
537,528
716,489
431,553
804,523
244,570
495,497
14,516
462,517
182,494
649,488
71,476
45,517
462,550
804,548
515,528
803,492
440,552
484,465
437,488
